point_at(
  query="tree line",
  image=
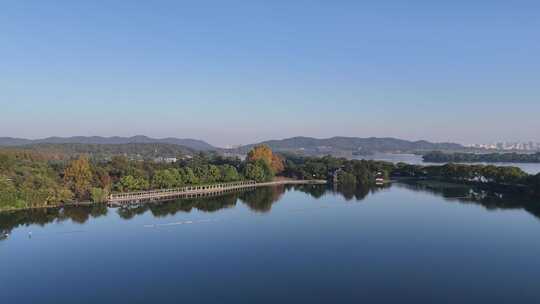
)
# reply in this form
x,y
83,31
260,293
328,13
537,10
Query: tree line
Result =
x,y
362,173
441,157
260,200
33,179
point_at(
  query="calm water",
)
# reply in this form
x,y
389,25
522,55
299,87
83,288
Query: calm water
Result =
x,y
430,243
531,168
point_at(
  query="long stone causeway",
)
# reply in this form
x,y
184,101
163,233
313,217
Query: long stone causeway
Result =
x,y
119,199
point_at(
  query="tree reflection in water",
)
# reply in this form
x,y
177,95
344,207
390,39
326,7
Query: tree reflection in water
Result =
x,y
466,194
78,214
167,208
262,200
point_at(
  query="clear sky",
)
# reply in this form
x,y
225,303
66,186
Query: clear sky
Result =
x,y
233,72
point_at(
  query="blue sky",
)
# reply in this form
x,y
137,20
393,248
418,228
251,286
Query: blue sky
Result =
x,y
233,72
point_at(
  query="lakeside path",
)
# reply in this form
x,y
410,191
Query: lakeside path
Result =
x,y
119,199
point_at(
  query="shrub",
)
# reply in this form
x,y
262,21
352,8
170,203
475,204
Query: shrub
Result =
x,y
99,195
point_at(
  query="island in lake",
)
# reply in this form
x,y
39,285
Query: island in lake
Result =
x,y
456,157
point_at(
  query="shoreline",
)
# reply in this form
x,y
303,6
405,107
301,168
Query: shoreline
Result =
x,y
121,199
89,203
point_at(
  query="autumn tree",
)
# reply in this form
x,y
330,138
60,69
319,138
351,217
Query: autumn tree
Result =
x,y
263,152
260,152
277,164
101,177
78,176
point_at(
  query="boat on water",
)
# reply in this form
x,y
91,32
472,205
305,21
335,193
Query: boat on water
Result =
x,y
379,179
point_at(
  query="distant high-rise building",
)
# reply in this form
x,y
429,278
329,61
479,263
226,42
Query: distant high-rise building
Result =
x,y
529,146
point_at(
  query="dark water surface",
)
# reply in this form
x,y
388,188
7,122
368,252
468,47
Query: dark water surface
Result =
x,y
416,243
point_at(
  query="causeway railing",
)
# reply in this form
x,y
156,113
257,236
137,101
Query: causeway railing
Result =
x,y
197,190
194,189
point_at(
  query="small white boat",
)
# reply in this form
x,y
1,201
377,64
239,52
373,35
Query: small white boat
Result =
x,y
379,180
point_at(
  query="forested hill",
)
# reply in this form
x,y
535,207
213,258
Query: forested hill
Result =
x,y
132,151
310,145
194,144
302,145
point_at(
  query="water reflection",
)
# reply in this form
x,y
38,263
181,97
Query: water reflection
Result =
x,y
80,214
167,208
261,200
348,192
465,194
258,200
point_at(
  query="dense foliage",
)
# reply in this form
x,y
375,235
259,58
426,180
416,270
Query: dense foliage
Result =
x,y
460,172
33,179
346,171
135,151
259,171
29,180
364,172
264,153
441,157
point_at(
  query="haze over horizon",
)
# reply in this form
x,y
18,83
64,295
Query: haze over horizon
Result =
x,y
238,72
231,145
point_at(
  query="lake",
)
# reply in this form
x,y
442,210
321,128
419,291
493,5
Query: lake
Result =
x,y
406,243
414,159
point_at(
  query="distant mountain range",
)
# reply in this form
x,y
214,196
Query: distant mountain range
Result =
x,y
352,145
344,146
193,144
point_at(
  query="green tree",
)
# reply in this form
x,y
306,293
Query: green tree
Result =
x,y
119,165
189,176
164,179
534,182
99,195
63,194
130,183
259,171
8,194
345,178
214,174
229,173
